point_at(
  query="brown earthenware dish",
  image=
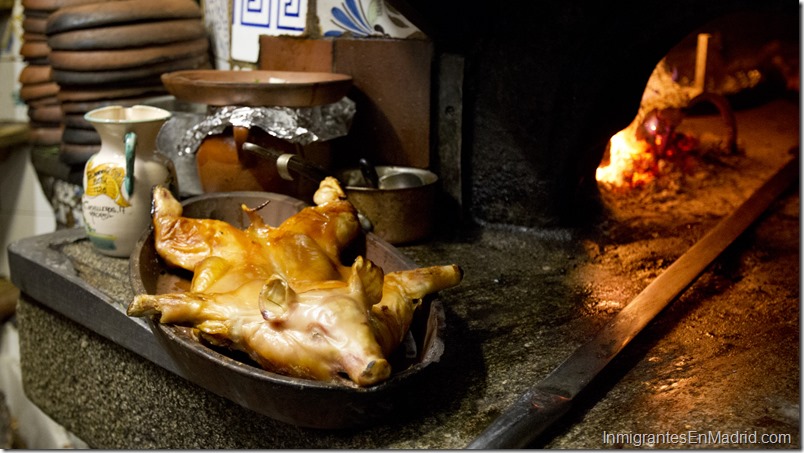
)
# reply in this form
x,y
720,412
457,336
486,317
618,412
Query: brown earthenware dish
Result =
x,y
301,402
257,88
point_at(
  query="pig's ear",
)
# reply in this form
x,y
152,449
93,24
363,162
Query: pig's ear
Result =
x,y
276,298
366,278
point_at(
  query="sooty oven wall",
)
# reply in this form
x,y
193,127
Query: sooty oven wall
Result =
x,y
547,83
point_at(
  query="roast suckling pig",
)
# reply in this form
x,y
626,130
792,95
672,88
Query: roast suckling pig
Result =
x,y
281,294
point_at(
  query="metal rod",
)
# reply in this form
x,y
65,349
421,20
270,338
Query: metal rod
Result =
x,y
294,162
548,400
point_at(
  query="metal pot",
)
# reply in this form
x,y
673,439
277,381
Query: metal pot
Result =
x,y
400,211
398,215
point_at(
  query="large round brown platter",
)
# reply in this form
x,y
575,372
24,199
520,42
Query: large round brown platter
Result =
x,y
31,74
82,107
75,154
103,14
45,136
101,60
257,88
127,76
300,402
31,50
43,102
76,121
34,91
39,37
46,114
78,95
78,136
34,24
128,35
52,5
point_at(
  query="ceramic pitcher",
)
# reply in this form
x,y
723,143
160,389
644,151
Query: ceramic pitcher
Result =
x,y
118,179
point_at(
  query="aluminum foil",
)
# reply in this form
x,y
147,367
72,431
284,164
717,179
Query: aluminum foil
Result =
x,y
302,125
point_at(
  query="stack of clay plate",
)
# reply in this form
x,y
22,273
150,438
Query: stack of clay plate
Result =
x,y
37,87
113,53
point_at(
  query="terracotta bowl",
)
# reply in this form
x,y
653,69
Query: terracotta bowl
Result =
x,y
257,88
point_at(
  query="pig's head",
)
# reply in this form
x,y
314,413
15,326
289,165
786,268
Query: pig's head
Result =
x,y
330,325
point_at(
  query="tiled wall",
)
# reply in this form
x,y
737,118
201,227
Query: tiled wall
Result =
x,y
331,18
362,18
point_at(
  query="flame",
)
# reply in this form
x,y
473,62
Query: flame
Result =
x,y
632,161
626,153
637,160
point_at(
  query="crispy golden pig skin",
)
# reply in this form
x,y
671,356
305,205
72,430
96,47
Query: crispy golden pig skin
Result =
x,y
306,246
281,294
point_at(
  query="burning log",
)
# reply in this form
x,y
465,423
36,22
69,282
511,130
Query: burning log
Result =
x,y
652,146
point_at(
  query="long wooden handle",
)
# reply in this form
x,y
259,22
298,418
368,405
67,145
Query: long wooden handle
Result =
x,y
547,401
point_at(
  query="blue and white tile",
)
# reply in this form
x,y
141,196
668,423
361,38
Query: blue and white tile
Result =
x,y
355,18
362,18
252,18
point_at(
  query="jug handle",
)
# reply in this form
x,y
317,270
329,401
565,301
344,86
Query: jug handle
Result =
x,y
130,142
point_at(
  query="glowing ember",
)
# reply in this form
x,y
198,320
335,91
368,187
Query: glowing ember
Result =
x,y
624,151
649,146
644,151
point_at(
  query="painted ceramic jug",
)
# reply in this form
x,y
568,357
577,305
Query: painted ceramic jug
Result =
x,y
118,179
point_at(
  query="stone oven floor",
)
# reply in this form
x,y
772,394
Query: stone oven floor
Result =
x,y
723,358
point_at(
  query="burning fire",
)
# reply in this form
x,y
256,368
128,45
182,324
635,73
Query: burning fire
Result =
x,y
650,145
624,150
646,150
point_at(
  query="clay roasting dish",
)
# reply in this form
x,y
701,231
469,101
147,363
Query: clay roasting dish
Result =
x,y
300,402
